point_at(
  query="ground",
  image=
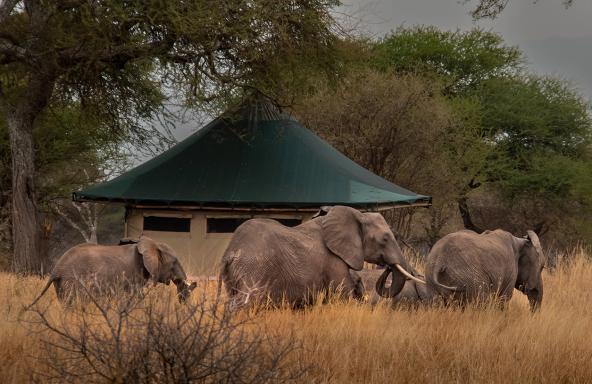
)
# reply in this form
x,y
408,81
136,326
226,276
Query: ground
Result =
x,y
353,342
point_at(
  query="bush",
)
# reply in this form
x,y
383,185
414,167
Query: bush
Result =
x,y
135,339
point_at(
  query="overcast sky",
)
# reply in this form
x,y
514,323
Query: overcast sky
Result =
x,y
555,40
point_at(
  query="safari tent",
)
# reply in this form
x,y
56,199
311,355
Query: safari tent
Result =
x,y
255,161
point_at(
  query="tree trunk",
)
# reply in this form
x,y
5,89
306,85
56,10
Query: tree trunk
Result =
x,y
463,208
25,220
21,104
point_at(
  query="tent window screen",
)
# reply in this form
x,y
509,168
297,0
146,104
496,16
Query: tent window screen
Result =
x,y
230,224
167,224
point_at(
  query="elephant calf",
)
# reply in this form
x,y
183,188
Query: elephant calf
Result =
x,y
129,266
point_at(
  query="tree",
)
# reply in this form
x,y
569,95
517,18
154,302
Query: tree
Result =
x,y
383,121
460,59
541,132
111,59
397,126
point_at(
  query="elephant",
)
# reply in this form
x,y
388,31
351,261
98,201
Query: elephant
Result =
x,y
266,260
465,266
129,266
413,293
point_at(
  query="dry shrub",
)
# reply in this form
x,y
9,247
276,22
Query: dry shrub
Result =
x,y
139,338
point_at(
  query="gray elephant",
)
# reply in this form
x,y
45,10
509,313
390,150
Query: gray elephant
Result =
x,y
413,293
465,266
129,266
268,260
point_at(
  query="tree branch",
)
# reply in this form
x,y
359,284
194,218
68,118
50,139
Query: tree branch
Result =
x,y
6,7
119,53
11,51
72,223
463,208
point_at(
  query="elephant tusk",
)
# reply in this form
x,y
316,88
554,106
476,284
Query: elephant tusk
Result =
x,y
408,275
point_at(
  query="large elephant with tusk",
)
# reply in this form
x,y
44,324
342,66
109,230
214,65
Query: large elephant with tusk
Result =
x,y
268,260
466,266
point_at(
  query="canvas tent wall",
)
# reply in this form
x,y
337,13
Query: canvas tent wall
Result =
x,y
250,162
198,237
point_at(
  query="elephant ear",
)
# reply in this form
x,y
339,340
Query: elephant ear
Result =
x,y
342,234
534,239
150,256
169,262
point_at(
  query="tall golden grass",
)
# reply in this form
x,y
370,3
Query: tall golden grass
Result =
x,y
351,342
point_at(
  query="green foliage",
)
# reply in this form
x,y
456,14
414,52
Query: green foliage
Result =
x,y
114,57
463,59
465,143
541,130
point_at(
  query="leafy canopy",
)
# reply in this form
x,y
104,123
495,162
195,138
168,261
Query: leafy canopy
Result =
x,y
462,59
91,74
542,133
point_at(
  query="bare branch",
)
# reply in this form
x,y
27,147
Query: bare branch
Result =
x,y
72,223
127,338
490,9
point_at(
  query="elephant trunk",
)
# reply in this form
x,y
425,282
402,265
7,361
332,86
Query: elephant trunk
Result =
x,y
397,284
381,282
399,267
179,274
535,298
398,281
184,290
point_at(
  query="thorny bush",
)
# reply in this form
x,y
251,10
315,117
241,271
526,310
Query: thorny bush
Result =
x,y
139,338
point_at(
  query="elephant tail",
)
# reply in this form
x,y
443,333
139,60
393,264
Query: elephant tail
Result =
x,y
440,285
223,277
49,282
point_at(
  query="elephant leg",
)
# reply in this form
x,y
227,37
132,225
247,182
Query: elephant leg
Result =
x,y
505,297
458,300
62,289
59,289
65,292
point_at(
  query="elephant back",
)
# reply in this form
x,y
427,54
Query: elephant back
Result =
x,y
106,262
266,258
475,264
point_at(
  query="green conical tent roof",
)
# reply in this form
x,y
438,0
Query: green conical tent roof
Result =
x,y
255,157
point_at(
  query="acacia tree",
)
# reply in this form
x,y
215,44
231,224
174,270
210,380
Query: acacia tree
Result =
x,y
112,57
461,60
528,137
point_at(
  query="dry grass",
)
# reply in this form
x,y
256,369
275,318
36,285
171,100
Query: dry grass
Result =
x,y
352,342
